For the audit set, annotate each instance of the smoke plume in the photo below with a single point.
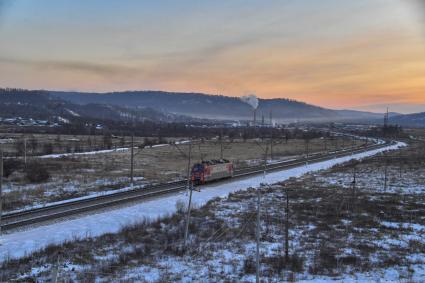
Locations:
(251, 100)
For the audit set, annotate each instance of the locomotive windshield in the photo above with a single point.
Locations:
(198, 167)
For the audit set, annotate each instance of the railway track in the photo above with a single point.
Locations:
(33, 216)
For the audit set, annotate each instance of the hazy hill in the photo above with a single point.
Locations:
(411, 120)
(214, 106)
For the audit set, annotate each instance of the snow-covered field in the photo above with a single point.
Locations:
(21, 243)
(401, 178)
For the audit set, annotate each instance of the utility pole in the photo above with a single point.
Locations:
(336, 144)
(385, 173)
(354, 182)
(265, 164)
(271, 119)
(324, 140)
(287, 227)
(307, 141)
(271, 145)
(55, 271)
(132, 160)
(257, 278)
(1, 187)
(188, 186)
(25, 151)
(386, 119)
(221, 143)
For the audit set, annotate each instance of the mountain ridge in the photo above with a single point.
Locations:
(216, 106)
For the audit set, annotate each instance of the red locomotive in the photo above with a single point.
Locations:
(211, 170)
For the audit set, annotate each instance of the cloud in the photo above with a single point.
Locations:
(418, 8)
(99, 69)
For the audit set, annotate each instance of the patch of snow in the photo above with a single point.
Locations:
(63, 120)
(160, 145)
(9, 140)
(75, 114)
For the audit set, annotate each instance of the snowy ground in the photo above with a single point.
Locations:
(374, 236)
(21, 243)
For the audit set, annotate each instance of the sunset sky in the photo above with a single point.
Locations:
(362, 54)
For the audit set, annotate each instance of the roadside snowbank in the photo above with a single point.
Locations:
(24, 242)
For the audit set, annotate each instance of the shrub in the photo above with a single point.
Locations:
(11, 165)
(149, 142)
(36, 173)
(249, 266)
(48, 148)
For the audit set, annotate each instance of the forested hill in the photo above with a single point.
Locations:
(214, 106)
(409, 120)
(42, 105)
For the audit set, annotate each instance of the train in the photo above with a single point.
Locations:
(211, 170)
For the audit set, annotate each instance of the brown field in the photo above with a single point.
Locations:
(60, 143)
(79, 175)
(419, 133)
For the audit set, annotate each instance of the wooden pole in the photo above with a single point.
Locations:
(221, 144)
(287, 227)
(271, 145)
(385, 174)
(1, 189)
(186, 231)
(25, 151)
(132, 161)
(257, 277)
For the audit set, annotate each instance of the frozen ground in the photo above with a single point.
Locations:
(21, 243)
